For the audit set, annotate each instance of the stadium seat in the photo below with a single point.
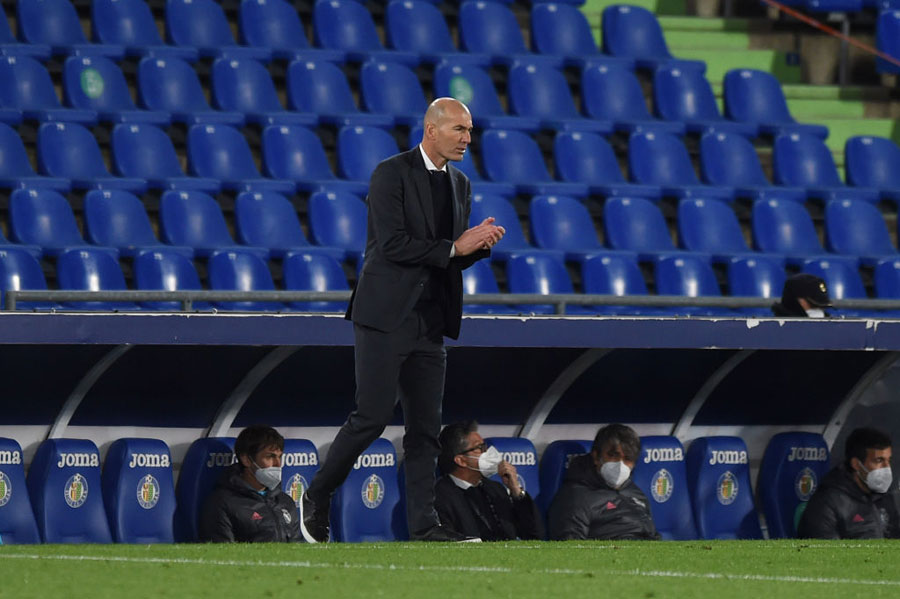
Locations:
(514, 157)
(514, 242)
(69, 150)
(711, 227)
(544, 274)
(563, 223)
(554, 463)
(841, 275)
(584, 157)
(360, 149)
(244, 85)
(391, 88)
(540, 91)
(194, 219)
(887, 39)
(805, 161)
(756, 276)
(491, 28)
(221, 152)
(139, 491)
(684, 95)
(887, 279)
(637, 225)
(785, 228)
(20, 269)
(130, 23)
(17, 524)
(338, 219)
(96, 83)
(347, 25)
(321, 87)
(241, 270)
(43, 218)
(613, 93)
(729, 159)
(660, 473)
(519, 452)
(479, 278)
(633, 32)
(275, 26)
(10, 46)
(202, 24)
(171, 84)
(417, 26)
(791, 468)
(362, 507)
(205, 461)
(165, 269)
(657, 158)
(311, 271)
(561, 29)
(689, 275)
(856, 228)
(146, 152)
(15, 167)
(299, 464)
(29, 90)
(873, 162)
(718, 475)
(617, 273)
(75, 515)
(756, 97)
(91, 269)
(55, 23)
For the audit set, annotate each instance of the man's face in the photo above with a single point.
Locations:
(474, 447)
(451, 134)
(268, 457)
(875, 459)
(611, 452)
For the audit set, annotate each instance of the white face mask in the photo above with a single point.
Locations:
(269, 477)
(815, 313)
(878, 480)
(488, 462)
(615, 473)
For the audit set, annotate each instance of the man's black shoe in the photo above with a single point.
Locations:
(313, 520)
(442, 534)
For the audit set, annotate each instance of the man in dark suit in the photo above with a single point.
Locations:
(409, 295)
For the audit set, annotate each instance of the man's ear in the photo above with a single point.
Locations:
(596, 457)
(460, 461)
(855, 464)
(244, 460)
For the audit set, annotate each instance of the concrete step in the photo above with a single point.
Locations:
(703, 39)
(660, 7)
(703, 24)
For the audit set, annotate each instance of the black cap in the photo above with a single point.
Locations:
(808, 287)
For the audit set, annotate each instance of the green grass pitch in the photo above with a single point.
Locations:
(576, 570)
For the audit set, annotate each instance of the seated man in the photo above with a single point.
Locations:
(805, 296)
(855, 500)
(248, 505)
(598, 499)
(469, 502)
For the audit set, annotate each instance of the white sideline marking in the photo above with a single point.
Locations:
(494, 569)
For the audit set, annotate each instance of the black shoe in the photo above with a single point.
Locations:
(313, 520)
(442, 534)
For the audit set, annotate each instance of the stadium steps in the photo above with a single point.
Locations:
(660, 7)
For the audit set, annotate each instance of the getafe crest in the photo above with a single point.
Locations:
(296, 487)
(727, 488)
(76, 491)
(373, 491)
(805, 484)
(661, 486)
(5, 489)
(148, 492)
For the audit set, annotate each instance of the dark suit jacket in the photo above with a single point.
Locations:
(518, 519)
(401, 245)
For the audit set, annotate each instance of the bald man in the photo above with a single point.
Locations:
(409, 296)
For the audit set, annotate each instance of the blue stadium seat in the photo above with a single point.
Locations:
(10, 46)
(637, 225)
(789, 474)
(491, 28)
(202, 24)
(514, 157)
(689, 275)
(69, 150)
(729, 159)
(321, 87)
(887, 279)
(165, 269)
(43, 218)
(139, 491)
(244, 85)
(55, 23)
(193, 219)
(887, 39)
(805, 161)
(15, 168)
(585, 157)
(613, 93)
(856, 228)
(204, 463)
(686, 96)
(561, 29)
(17, 524)
(756, 97)
(514, 242)
(91, 269)
(785, 228)
(718, 472)
(873, 162)
(20, 269)
(275, 26)
(362, 507)
(360, 149)
(540, 91)
(96, 83)
(221, 152)
(130, 23)
(479, 278)
(146, 152)
(299, 465)
(657, 158)
(305, 270)
(712, 227)
(544, 274)
(519, 452)
(633, 32)
(756, 276)
(563, 223)
(241, 270)
(616, 273)
(76, 514)
(661, 474)
(171, 84)
(29, 90)
(417, 26)
(841, 275)
(393, 89)
(338, 219)
(554, 463)
(347, 25)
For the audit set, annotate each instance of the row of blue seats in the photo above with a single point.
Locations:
(702, 493)
(842, 6)
(887, 39)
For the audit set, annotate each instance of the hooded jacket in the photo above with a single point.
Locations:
(587, 508)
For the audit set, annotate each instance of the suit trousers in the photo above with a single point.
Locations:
(405, 365)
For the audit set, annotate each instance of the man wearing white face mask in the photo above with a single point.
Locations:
(469, 502)
(598, 499)
(856, 500)
(805, 296)
(248, 505)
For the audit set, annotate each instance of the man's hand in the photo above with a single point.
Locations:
(480, 237)
(508, 475)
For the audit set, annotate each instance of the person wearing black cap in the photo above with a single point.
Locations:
(805, 296)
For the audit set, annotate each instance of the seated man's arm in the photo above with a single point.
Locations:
(529, 524)
(819, 519)
(215, 521)
(569, 516)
